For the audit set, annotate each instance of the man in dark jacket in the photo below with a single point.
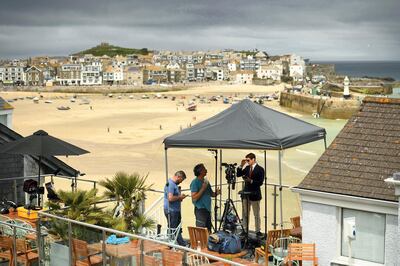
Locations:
(253, 176)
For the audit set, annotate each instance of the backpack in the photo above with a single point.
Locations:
(224, 242)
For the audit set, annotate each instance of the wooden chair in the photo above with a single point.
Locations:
(81, 254)
(26, 255)
(295, 221)
(299, 252)
(150, 261)
(296, 231)
(196, 235)
(272, 236)
(171, 257)
(197, 260)
(6, 249)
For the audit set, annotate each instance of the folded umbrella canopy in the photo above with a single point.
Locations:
(41, 144)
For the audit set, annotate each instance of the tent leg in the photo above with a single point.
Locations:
(265, 193)
(166, 178)
(325, 141)
(280, 188)
(220, 181)
(37, 191)
(216, 186)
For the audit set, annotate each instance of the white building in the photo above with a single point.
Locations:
(270, 71)
(243, 76)
(344, 198)
(113, 74)
(6, 111)
(232, 67)
(91, 74)
(2, 70)
(297, 67)
(14, 74)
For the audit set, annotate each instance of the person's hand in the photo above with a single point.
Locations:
(243, 162)
(205, 184)
(183, 196)
(247, 179)
(217, 191)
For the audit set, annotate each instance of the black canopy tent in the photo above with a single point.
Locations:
(247, 125)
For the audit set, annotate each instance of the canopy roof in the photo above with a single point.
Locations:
(247, 125)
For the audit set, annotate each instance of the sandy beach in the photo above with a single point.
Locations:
(127, 134)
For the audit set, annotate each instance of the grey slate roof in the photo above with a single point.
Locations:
(4, 105)
(363, 154)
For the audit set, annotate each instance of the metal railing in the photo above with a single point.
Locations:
(106, 231)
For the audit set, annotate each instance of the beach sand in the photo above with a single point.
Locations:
(127, 135)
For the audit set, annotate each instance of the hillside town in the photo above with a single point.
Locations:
(161, 67)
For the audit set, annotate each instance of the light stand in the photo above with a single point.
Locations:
(215, 152)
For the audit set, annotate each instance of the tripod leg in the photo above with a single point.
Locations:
(223, 217)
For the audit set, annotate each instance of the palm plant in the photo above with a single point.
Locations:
(128, 190)
(79, 206)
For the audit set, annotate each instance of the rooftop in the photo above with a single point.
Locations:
(363, 155)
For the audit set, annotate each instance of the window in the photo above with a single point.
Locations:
(369, 244)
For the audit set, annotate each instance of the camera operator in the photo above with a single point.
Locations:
(253, 176)
(201, 197)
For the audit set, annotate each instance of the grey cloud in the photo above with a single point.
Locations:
(319, 29)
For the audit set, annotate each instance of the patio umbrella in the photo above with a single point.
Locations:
(41, 144)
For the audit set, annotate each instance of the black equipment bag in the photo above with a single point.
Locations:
(224, 242)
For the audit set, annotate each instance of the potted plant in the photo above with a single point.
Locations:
(79, 206)
(129, 190)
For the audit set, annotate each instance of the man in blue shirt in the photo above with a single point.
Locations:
(172, 203)
(201, 197)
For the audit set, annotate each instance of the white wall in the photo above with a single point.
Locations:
(320, 226)
(6, 118)
(392, 256)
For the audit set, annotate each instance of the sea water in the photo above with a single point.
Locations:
(366, 68)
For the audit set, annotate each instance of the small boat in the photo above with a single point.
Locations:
(48, 101)
(36, 99)
(130, 96)
(119, 97)
(110, 95)
(84, 101)
(144, 96)
(63, 108)
(72, 100)
(192, 106)
(226, 100)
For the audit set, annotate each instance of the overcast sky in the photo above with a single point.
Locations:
(315, 29)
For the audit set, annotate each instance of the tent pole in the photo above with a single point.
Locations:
(280, 188)
(216, 186)
(37, 191)
(166, 178)
(265, 192)
(325, 141)
(220, 181)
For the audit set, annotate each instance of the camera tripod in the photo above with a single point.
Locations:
(230, 206)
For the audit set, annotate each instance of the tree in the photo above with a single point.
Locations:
(128, 190)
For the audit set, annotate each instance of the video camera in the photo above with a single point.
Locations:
(230, 173)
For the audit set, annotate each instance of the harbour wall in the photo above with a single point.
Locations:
(331, 108)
